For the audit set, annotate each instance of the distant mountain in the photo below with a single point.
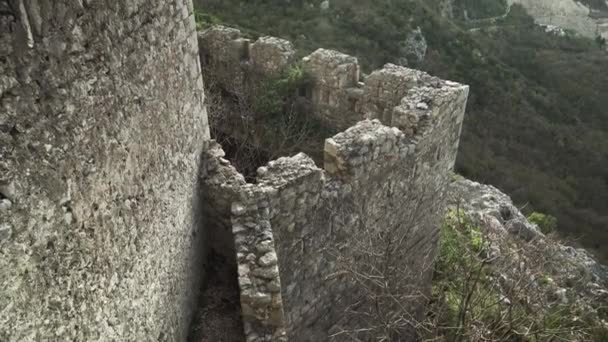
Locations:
(586, 17)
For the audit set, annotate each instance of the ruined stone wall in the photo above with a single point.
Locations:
(295, 226)
(101, 125)
(339, 95)
(389, 180)
(292, 225)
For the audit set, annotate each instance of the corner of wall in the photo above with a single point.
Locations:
(369, 144)
(425, 105)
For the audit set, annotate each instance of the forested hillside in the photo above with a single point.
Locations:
(537, 119)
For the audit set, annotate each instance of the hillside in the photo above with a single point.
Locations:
(536, 125)
(586, 17)
(520, 284)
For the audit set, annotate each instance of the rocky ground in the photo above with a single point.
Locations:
(548, 271)
(219, 318)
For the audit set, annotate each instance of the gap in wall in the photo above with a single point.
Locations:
(245, 157)
(219, 308)
(250, 140)
(219, 316)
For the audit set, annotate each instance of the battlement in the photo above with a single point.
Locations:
(386, 170)
(231, 54)
(366, 145)
(287, 226)
(339, 95)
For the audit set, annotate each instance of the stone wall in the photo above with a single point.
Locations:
(101, 125)
(297, 221)
(339, 95)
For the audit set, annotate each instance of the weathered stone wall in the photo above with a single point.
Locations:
(101, 124)
(298, 222)
(338, 94)
(336, 87)
(292, 224)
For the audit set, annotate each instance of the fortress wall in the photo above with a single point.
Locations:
(291, 225)
(298, 224)
(220, 187)
(101, 125)
(339, 96)
(297, 186)
(336, 92)
(258, 273)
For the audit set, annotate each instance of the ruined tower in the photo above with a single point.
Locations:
(101, 127)
(302, 232)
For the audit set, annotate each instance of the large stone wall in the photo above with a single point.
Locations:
(294, 224)
(101, 125)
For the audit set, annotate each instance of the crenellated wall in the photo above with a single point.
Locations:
(101, 128)
(386, 173)
(339, 95)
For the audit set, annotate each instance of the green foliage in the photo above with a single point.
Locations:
(205, 20)
(470, 304)
(546, 223)
(458, 235)
(476, 241)
(544, 280)
(295, 74)
(271, 97)
(276, 93)
(460, 276)
(456, 177)
(459, 231)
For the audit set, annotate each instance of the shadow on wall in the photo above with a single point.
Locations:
(219, 312)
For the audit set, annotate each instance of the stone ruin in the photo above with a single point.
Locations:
(105, 226)
(388, 168)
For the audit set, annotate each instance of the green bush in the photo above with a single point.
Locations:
(456, 177)
(546, 223)
(205, 20)
(275, 93)
(470, 304)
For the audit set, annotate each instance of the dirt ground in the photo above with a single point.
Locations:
(219, 316)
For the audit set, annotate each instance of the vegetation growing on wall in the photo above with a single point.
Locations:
(261, 118)
(481, 295)
(205, 20)
(530, 129)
